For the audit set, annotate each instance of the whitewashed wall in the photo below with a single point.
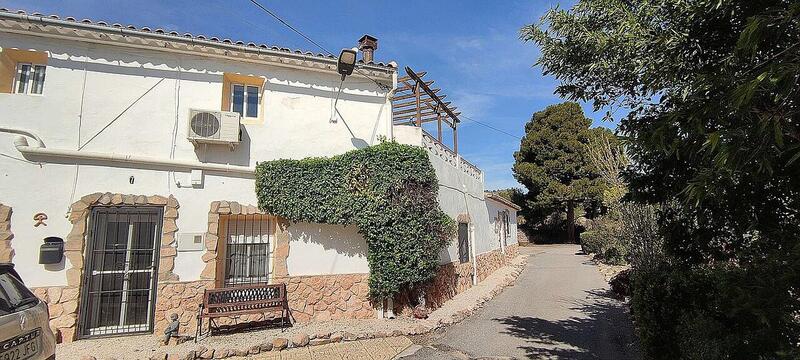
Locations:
(87, 86)
(460, 192)
(493, 207)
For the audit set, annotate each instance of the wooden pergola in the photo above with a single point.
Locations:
(416, 103)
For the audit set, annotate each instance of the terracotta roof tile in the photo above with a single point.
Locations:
(146, 30)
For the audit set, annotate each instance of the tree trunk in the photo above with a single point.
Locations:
(571, 222)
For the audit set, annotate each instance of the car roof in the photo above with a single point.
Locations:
(9, 268)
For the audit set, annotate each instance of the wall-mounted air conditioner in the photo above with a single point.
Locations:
(213, 127)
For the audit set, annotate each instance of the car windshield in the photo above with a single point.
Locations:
(14, 296)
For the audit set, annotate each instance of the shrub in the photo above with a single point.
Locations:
(639, 230)
(603, 239)
(716, 312)
(388, 190)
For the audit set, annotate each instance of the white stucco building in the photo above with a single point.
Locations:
(101, 142)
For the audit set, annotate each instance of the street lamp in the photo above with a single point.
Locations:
(347, 62)
(345, 67)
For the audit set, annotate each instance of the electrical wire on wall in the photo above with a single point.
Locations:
(80, 126)
(171, 178)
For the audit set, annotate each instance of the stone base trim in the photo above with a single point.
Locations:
(512, 251)
(301, 339)
(454, 278)
(522, 236)
(310, 298)
(329, 297)
(182, 298)
(6, 251)
(62, 302)
(489, 262)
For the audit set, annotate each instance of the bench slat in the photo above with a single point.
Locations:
(234, 313)
(243, 299)
(252, 302)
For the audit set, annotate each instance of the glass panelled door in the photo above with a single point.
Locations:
(121, 270)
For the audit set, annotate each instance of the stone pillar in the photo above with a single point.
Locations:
(6, 250)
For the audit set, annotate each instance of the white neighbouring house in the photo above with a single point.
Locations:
(136, 147)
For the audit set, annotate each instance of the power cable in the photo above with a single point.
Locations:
(309, 39)
(491, 127)
(382, 86)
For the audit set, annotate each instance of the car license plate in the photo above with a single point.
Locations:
(21, 347)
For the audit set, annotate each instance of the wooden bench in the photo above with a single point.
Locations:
(241, 300)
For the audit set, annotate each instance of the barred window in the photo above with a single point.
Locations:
(463, 242)
(248, 248)
(506, 223)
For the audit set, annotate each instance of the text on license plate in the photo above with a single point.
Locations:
(21, 347)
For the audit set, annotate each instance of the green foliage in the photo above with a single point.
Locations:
(552, 162)
(607, 154)
(716, 312)
(628, 233)
(713, 130)
(388, 190)
(602, 239)
(714, 121)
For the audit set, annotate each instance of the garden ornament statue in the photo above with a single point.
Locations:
(172, 330)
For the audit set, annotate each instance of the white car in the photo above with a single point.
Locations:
(24, 321)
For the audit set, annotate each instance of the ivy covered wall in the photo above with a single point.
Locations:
(389, 191)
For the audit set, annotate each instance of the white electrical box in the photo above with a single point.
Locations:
(191, 241)
(196, 178)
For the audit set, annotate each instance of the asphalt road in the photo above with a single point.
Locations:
(557, 309)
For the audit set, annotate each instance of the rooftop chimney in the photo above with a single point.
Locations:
(368, 44)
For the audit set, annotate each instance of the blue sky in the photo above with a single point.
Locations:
(470, 48)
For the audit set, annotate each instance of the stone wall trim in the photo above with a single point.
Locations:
(64, 309)
(6, 250)
(215, 241)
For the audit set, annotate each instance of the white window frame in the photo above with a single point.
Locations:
(248, 236)
(244, 100)
(29, 81)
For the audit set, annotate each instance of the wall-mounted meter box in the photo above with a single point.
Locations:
(191, 241)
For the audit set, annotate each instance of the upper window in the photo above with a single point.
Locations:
(29, 78)
(244, 100)
(243, 94)
(22, 71)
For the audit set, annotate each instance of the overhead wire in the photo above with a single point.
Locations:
(382, 86)
(310, 40)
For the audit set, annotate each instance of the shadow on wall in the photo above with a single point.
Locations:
(149, 64)
(605, 332)
(345, 240)
(238, 156)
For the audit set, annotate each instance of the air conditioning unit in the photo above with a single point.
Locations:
(213, 127)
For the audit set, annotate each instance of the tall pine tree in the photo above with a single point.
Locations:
(552, 163)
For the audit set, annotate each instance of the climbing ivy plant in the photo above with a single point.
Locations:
(387, 190)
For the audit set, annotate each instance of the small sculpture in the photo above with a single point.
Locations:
(39, 218)
(172, 329)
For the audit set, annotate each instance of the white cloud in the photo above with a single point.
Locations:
(471, 43)
(471, 104)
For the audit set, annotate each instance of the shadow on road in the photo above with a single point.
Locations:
(596, 333)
